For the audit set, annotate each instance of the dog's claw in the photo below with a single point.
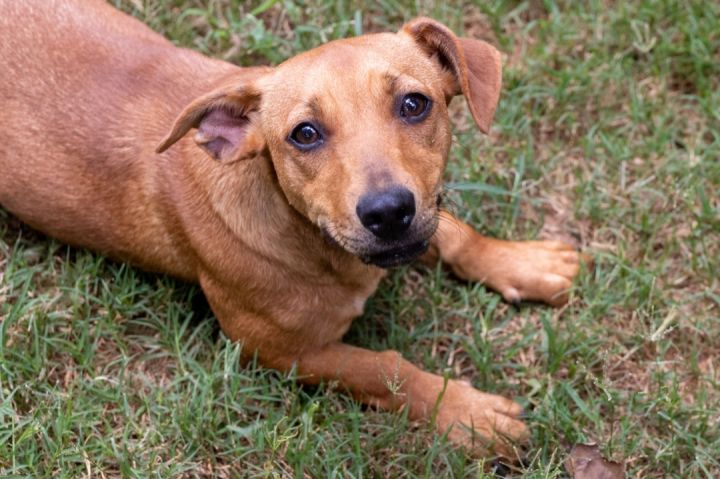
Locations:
(500, 469)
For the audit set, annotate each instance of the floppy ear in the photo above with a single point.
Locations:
(476, 66)
(224, 122)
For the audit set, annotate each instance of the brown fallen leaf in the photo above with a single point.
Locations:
(586, 462)
(559, 222)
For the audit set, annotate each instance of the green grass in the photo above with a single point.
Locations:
(608, 133)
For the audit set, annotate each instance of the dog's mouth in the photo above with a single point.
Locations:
(384, 253)
(396, 256)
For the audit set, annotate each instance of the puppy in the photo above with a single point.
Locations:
(284, 192)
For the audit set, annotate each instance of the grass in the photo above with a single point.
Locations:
(608, 134)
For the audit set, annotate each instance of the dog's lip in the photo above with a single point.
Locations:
(397, 256)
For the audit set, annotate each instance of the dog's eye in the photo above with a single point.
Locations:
(414, 107)
(306, 136)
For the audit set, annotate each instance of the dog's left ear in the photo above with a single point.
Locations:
(226, 128)
(476, 66)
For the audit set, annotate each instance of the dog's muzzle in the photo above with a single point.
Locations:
(382, 252)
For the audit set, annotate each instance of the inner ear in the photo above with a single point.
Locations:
(450, 82)
(445, 63)
(226, 119)
(224, 135)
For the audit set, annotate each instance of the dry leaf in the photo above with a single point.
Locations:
(559, 224)
(586, 462)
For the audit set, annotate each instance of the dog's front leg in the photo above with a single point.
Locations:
(482, 422)
(519, 270)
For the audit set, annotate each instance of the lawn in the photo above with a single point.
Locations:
(607, 136)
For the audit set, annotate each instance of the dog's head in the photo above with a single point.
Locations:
(357, 130)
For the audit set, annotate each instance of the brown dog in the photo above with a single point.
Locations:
(299, 184)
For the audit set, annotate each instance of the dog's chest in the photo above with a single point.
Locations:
(350, 304)
(325, 312)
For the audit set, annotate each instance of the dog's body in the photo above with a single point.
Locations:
(264, 219)
(81, 166)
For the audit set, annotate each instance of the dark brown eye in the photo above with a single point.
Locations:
(414, 107)
(306, 136)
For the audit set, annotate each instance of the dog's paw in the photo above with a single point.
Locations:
(485, 424)
(534, 270)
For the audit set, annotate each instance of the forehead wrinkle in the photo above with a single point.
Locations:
(406, 83)
(305, 110)
(313, 106)
(391, 79)
(375, 87)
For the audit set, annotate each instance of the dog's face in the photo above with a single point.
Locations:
(359, 141)
(357, 130)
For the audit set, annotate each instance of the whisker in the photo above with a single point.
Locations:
(454, 226)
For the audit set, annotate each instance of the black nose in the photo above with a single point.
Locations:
(388, 213)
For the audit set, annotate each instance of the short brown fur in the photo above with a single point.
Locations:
(270, 232)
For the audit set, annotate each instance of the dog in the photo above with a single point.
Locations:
(285, 192)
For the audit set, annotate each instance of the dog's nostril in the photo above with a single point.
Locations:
(373, 221)
(388, 213)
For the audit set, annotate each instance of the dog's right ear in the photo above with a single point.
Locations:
(476, 65)
(224, 118)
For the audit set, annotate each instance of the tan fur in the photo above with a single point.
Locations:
(269, 232)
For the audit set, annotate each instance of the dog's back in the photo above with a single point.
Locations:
(87, 93)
